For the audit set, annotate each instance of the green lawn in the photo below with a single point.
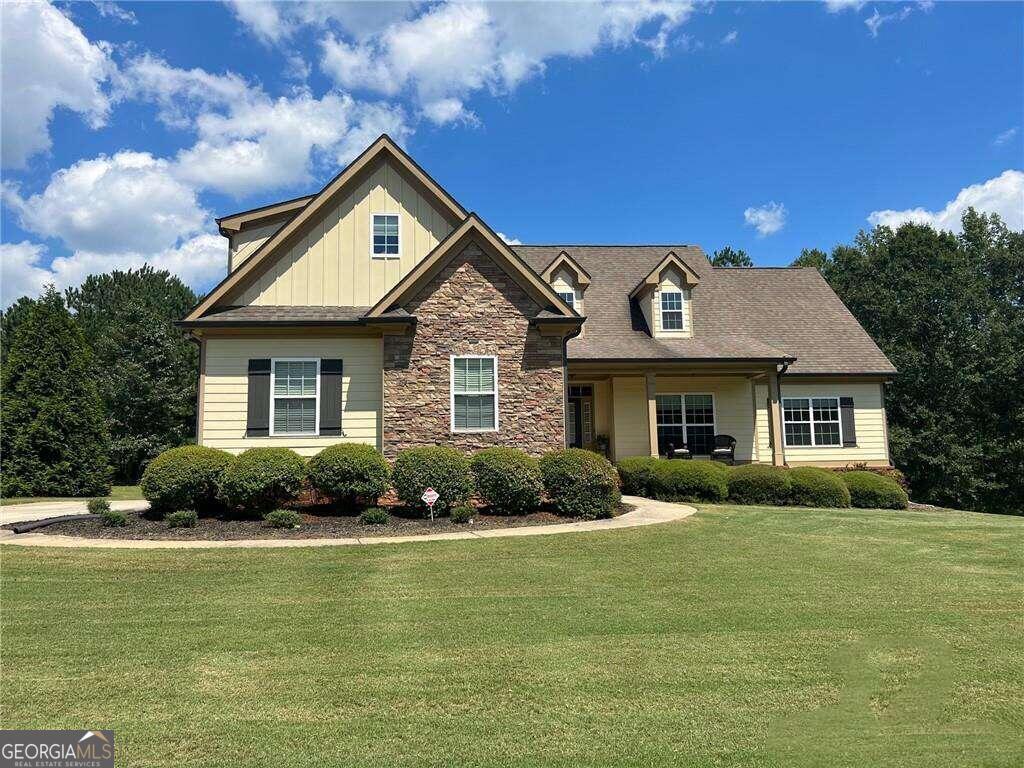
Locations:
(743, 636)
(117, 493)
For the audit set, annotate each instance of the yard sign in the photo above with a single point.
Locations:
(430, 496)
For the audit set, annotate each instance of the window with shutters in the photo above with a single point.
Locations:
(295, 396)
(811, 421)
(474, 393)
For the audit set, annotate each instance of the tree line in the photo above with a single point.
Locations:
(98, 381)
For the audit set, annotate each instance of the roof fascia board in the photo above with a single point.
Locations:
(236, 222)
(654, 276)
(582, 276)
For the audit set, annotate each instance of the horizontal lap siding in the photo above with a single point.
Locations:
(734, 410)
(226, 390)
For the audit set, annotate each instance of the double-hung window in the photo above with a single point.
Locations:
(474, 394)
(295, 397)
(811, 421)
(569, 297)
(686, 419)
(672, 311)
(385, 235)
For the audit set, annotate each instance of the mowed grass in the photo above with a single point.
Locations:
(117, 493)
(740, 637)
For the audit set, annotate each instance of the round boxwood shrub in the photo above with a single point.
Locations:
(637, 474)
(183, 518)
(185, 478)
(374, 516)
(283, 518)
(462, 514)
(759, 484)
(439, 467)
(871, 491)
(816, 487)
(508, 480)
(113, 518)
(580, 483)
(350, 473)
(261, 479)
(682, 480)
(98, 506)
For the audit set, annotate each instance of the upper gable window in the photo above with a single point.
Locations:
(569, 297)
(672, 311)
(385, 236)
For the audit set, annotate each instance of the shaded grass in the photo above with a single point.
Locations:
(117, 493)
(743, 636)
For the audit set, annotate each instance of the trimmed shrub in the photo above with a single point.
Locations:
(682, 480)
(462, 514)
(508, 480)
(816, 487)
(350, 473)
(283, 518)
(759, 484)
(637, 474)
(261, 479)
(374, 516)
(98, 506)
(890, 472)
(439, 467)
(113, 518)
(871, 491)
(580, 483)
(185, 478)
(183, 518)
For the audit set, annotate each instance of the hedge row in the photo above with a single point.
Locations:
(673, 480)
(259, 480)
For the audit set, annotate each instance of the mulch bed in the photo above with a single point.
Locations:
(316, 524)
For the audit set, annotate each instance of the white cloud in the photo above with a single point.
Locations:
(838, 6)
(766, 219)
(730, 38)
(127, 202)
(20, 273)
(509, 240)
(875, 21)
(46, 63)
(112, 10)
(455, 49)
(278, 23)
(1003, 195)
(1005, 137)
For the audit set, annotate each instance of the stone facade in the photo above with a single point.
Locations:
(473, 307)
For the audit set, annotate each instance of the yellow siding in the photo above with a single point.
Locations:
(244, 244)
(332, 264)
(602, 409)
(629, 417)
(226, 390)
(565, 282)
(671, 280)
(868, 415)
(734, 409)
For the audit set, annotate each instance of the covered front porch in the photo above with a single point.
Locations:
(635, 409)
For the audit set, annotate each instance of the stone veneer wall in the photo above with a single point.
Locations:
(473, 306)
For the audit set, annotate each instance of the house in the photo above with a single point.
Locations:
(381, 311)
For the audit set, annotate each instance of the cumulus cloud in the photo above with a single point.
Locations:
(766, 219)
(47, 63)
(20, 271)
(509, 240)
(1003, 195)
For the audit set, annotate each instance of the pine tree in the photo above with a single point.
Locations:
(53, 434)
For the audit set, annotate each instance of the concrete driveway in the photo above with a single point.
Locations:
(20, 513)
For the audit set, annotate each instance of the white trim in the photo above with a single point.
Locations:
(386, 255)
(714, 416)
(273, 373)
(572, 302)
(682, 310)
(810, 408)
(451, 393)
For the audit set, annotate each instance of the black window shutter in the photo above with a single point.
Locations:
(257, 422)
(330, 397)
(846, 415)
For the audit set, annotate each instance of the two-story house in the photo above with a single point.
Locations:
(380, 311)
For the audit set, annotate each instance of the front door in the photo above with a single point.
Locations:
(579, 426)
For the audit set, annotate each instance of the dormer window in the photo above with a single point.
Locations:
(569, 297)
(386, 243)
(672, 317)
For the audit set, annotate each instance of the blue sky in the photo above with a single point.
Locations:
(769, 127)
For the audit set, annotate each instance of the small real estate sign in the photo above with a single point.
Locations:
(430, 497)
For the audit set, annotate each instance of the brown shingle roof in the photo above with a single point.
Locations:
(757, 313)
(279, 315)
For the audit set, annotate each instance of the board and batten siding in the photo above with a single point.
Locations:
(226, 386)
(629, 417)
(332, 264)
(868, 415)
(244, 244)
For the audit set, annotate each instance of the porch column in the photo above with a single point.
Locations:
(775, 419)
(651, 381)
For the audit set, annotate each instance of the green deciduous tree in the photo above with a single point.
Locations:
(144, 366)
(811, 257)
(53, 436)
(727, 257)
(948, 310)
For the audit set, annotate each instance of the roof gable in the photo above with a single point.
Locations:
(563, 259)
(654, 276)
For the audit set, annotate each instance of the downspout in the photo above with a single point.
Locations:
(778, 386)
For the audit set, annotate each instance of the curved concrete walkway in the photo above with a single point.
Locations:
(647, 512)
(40, 510)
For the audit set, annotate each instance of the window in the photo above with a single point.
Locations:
(688, 419)
(474, 394)
(295, 397)
(672, 311)
(385, 235)
(569, 297)
(811, 421)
